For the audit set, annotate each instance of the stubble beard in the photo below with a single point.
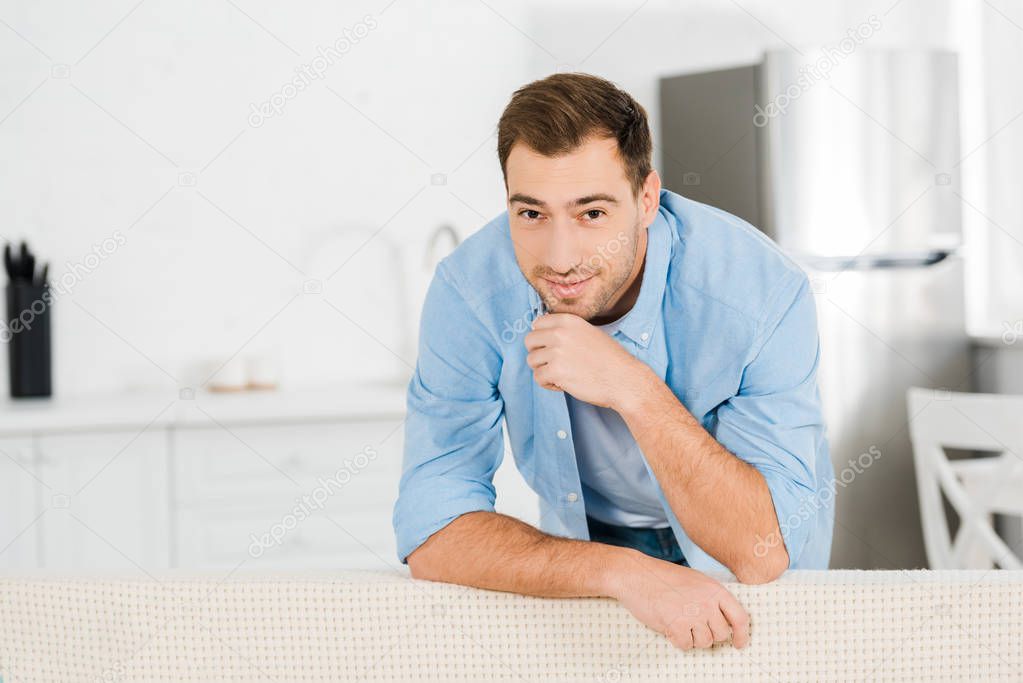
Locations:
(601, 299)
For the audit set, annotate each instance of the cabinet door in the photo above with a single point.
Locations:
(295, 495)
(106, 500)
(19, 505)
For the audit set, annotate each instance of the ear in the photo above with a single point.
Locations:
(650, 197)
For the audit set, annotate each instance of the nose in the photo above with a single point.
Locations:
(563, 250)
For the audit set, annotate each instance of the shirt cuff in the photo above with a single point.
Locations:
(414, 522)
(796, 508)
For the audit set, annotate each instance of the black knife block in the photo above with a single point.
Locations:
(27, 335)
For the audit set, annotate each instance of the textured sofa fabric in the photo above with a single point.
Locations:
(807, 626)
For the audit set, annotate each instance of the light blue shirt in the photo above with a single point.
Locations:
(723, 317)
(616, 484)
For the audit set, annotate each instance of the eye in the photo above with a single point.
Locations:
(594, 214)
(530, 214)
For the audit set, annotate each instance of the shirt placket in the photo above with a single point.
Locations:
(554, 452)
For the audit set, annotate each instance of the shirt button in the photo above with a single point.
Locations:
(644, 336)
(562, 434)
(572, 497)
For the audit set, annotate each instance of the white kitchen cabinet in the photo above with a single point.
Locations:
(105, 496)
(19, 504)
(291, 495)
(259, 538)
(279, 479)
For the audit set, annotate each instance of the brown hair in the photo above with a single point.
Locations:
(554, 115)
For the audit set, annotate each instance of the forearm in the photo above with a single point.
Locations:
(493, 551)
(722, 502)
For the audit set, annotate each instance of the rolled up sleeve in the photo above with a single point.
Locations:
(453, 433)
(775, 421)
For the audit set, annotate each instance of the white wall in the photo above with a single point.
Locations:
(109, 110)
(102, 145)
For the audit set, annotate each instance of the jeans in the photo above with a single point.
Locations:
(659, 543)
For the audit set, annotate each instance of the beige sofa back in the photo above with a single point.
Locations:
(807, 626)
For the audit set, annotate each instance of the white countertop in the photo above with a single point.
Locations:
(170, 408)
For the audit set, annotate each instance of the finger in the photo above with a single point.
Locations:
(545, 378)
(550, 320)
(738, 618)
(702, 637)
(719, 627)
(538, 339)
(539, 357)
(681, 637)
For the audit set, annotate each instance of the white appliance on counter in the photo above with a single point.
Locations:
(855, 175)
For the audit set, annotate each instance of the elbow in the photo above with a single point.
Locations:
(419, 565)
(757, 574)
(414, 567)
(432, 559)
(765, 569)
(429, 560)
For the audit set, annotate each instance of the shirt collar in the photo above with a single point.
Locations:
(639, 323)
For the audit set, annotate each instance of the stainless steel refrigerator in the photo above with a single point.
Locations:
(850, 162)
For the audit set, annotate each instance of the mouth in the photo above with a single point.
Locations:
(568, 290)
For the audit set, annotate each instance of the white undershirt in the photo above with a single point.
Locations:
(617, 488)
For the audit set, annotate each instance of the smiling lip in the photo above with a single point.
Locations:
(564, 290)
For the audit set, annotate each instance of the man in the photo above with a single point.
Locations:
(655, 362)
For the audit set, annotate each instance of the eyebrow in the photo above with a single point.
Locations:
(520, 198)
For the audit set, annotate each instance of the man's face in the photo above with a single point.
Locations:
(576, 225)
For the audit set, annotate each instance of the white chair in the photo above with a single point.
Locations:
(977, 488)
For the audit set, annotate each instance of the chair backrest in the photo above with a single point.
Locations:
(976, 488)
